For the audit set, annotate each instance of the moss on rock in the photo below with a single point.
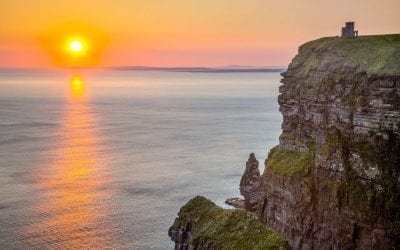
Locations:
(333, 141)
(219, 228)
(288, 162)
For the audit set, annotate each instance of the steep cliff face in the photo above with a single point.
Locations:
(333, 181)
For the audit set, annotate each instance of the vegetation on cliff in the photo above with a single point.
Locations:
(374, 55)
(288, 162)
(219, 228)
(389, 178)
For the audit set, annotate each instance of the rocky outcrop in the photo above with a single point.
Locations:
(250, 184)
(203, 225)
(235, 202)
(333, 181)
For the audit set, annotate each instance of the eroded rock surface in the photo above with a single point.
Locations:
(235, 202)
(333, 181)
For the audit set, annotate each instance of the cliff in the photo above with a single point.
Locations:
(333, 180)
(203, 225)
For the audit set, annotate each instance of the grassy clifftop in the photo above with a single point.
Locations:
(219, 228)
(374, 55)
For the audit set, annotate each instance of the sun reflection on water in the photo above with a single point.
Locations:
(73, 207)
(77, 86)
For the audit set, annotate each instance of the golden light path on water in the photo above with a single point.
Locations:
(74, 201)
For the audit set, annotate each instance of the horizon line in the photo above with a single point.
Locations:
(144, 67)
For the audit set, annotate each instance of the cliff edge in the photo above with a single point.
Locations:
(333, 180)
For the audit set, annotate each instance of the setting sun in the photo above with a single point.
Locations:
(76, 46)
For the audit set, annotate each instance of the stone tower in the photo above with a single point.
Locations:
(348, 30)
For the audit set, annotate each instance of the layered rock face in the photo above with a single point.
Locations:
(333, 182)
(250, 184)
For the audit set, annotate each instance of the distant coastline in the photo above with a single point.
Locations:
(227, 69)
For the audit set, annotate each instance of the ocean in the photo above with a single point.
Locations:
(104, 158)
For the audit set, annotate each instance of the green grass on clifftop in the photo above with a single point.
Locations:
(287, 162)
(374, 55)
(226, 229)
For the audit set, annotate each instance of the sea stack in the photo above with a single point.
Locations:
(250, 184)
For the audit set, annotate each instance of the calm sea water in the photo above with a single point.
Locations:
(105, 158)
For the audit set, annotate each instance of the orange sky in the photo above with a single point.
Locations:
(180, 32)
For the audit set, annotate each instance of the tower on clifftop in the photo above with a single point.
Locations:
(348, 30)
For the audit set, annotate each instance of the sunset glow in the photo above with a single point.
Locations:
(177, 33)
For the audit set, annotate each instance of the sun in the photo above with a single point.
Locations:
(76, 49)
(76, 46)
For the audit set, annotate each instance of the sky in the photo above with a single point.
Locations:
(188, 33)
